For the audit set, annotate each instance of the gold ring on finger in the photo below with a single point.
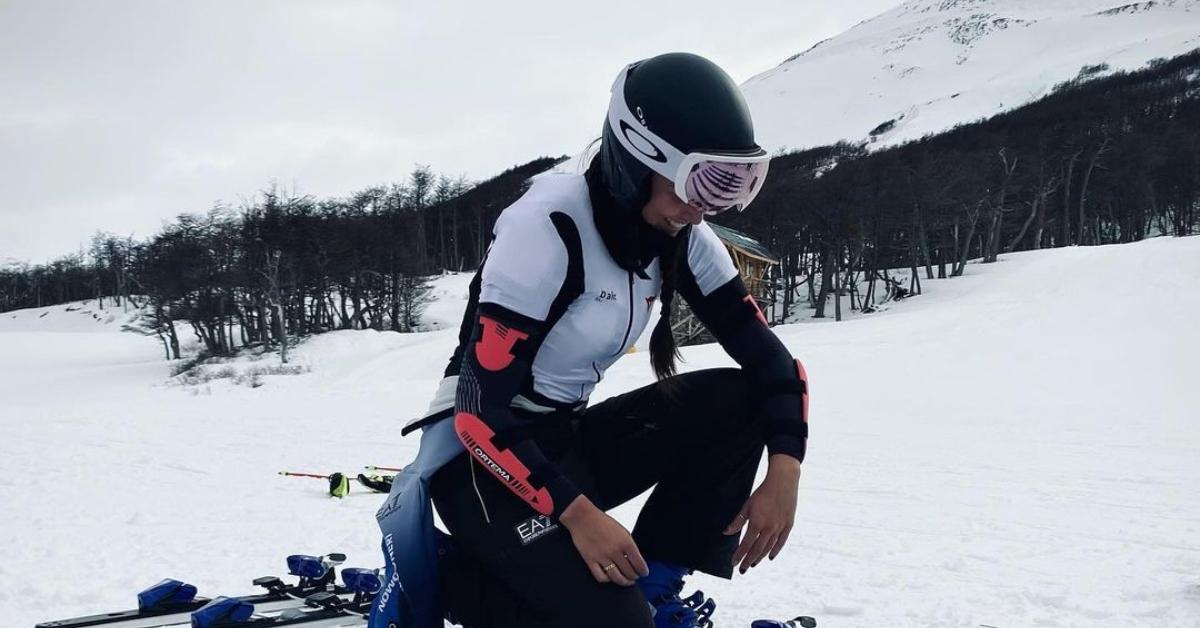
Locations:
(610, 566)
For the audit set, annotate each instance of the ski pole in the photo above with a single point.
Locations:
(303, 475)
(297, 474)
(339, 483)
(375, 468)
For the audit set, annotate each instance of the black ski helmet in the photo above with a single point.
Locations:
(684, 99)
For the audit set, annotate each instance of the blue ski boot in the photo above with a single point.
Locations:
(661, 589)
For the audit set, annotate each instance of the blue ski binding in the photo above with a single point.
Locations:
(223, 610)
(363, 582)
(164, 593)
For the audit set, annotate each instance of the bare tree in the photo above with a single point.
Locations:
(275, 299)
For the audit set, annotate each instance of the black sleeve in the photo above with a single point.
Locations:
(496, 364)
(777, 379)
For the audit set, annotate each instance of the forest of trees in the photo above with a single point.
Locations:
(1101, 160)
(1098, 161)
(284, 264)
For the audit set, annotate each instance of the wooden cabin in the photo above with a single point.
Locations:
(754, 262)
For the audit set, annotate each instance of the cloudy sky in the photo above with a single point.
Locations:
(116, 115)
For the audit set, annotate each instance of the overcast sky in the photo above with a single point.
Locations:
(117, 115)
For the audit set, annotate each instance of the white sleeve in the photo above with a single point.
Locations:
(708, 259)
(526, 264)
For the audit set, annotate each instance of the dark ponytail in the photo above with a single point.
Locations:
(663, 351)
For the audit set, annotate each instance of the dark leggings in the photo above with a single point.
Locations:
(694, 438)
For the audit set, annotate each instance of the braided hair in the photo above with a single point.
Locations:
(663, 351)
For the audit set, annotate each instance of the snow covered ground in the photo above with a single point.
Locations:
(1017, 447)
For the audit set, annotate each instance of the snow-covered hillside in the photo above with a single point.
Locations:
(1017, 447)
(931, 64)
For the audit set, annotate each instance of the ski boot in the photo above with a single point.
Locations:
(661, 589)
(803, 621)
(702, 606)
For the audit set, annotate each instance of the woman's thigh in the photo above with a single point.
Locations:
(636, 440)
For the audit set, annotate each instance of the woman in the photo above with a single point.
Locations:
(566, 288)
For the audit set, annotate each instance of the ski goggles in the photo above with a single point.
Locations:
(711, 181)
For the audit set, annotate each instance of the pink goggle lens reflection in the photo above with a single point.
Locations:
(717, 186)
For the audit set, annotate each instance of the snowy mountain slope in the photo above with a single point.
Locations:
(1014, 448)
(448, 298)
(82, 316)
(931, 64)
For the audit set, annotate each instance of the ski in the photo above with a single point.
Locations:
(320, 609)
(172, 602)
